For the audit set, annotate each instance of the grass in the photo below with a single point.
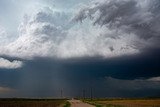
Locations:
(125, 102)
(67, 104)
(31, 102)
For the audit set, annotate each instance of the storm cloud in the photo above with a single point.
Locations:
(119, 77)
(108, 29)
(53, 33)
(140, 18)
(4, 63)
(111, 46)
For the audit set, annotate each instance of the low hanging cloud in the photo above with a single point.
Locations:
(6, 64)
(108, 29)
(140, 87)
(156, 79)
(4, 90)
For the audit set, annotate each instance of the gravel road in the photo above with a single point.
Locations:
(78, 103)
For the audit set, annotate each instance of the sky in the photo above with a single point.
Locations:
(109, 46)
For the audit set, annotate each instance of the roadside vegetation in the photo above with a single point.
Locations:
(124, 102)
(67, 104)
(32, 102)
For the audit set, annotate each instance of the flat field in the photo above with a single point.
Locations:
(127, 103)
(31, 102)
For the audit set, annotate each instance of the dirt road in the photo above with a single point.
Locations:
(78, 103)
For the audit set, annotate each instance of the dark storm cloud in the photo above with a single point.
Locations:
(112, 87)
(114, 77)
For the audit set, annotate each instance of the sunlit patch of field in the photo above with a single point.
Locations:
(127, 103)
(32, 102)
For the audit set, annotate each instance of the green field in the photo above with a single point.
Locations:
(32, 102)
(125, 102)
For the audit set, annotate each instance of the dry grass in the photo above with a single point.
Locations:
(30, 103)
(130, 103)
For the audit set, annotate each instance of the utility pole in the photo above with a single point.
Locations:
(61, 93)
(91, 93)
(84, 94)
